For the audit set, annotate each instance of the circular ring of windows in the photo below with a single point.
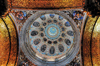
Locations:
(50, 38)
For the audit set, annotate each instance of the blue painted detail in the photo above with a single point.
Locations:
(53, 37)
(64, 51)
(52, 15)
(38, 50)
(31, 26)
(43, 53)
(30, 30)
(73, 37)
(68, 47)
(35, 46)
(80, 18)
(67, 24)
(74, 13)
(30, 37)
(60, 53)
(21, 15)
(24, 13)
(60, 18)
(43, 17)
(71, 42)
(32, 42)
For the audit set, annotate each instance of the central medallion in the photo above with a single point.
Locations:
(52, 31)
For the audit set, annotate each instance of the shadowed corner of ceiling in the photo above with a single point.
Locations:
(3, 7)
